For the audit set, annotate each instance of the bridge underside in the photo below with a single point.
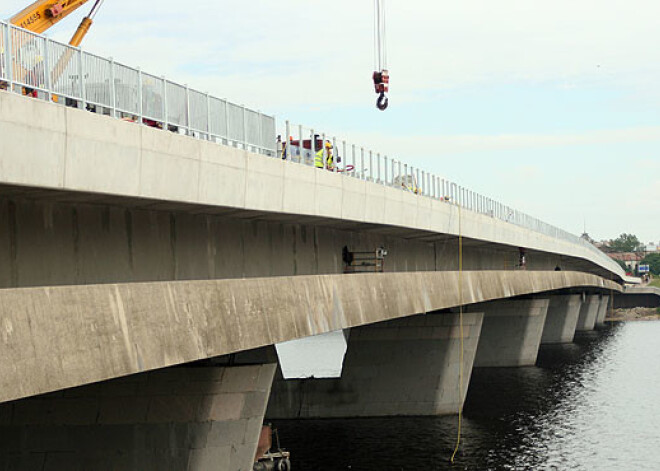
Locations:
(61, 337)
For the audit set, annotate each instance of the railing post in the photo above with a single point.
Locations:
(208, 117)
(378, 166)
(245, 142)
(140, 97)
(166, 118)
(363, 173)
(385, 182)
(300, 145)
(113, 88)
(49, 85)
(335, 163)
(9, 56)
(83, 101)
(353, 158)
(371, 165)
(286, 141)
(343, 149)
(188, 132)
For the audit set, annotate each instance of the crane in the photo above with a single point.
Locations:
(43, 14)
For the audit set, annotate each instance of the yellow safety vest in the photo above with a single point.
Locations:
(318, 159)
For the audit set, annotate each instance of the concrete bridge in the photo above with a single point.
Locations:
(145, 277)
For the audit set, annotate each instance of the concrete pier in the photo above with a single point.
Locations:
(588, 313)
(174, 419)
(560, 323)
(401, 367)
(602, 311)
(511, 332)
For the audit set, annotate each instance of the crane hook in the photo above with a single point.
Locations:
(382, 101)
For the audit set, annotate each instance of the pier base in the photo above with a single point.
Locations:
(602, 311)
(406, 366)
(588, 313)
(187, 419)
(560, 323)
(511, 332)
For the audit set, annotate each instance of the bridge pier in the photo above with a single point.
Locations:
(511, 332)
(189, 418)
(405, 366)
(588, 313)
(561, 320)
(602, 310)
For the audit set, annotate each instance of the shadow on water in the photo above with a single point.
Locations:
(514, 418)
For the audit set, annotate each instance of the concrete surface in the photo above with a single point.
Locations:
(178, 419)
(561, 320)
(511, 332)
(59, 337)
(46, 146)
(602, 311)
(400, 367)
(588, 313)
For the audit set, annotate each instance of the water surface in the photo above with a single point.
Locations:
(590, 405)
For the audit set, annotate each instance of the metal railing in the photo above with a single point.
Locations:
(33, 64)
(302, 145)
(46, 69)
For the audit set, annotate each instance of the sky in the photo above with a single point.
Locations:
(552, 108)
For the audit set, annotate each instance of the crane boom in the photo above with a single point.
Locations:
(43, 14)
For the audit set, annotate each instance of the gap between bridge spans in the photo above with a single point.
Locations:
(61, 337)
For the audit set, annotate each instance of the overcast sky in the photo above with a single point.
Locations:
(550, 107)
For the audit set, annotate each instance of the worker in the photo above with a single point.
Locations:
(329, 161)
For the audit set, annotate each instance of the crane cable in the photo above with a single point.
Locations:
(95, 8)
(460, 323)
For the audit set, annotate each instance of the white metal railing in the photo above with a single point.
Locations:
(49, 70)
(365, 164)
(33, 64)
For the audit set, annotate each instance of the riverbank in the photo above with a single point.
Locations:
(634, 314)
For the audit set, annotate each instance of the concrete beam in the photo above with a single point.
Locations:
(560, 323)
(60, 337)
(43, 145)
(405, 366)
(511, 333)
(192, 419)
(588, 313)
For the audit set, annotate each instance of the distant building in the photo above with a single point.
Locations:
(631, 259)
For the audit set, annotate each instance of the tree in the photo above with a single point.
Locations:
(626, 243)
(622, 264)
(653, 261)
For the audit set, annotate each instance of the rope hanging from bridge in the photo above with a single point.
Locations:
(460, 324)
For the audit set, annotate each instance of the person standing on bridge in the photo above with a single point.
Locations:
(320, 157)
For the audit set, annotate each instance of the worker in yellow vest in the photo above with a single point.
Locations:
(318, 158)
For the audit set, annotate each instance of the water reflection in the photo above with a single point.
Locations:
(591, 405)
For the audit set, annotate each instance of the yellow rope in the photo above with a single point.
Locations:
(460, 323)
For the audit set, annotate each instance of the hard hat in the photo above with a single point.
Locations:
(328, 145)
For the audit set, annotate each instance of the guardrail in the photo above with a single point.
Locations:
(50, 70)
(302, 145)
(33, 64)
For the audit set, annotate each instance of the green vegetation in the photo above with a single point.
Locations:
(626, 243)
(653, 261)
(655, 282)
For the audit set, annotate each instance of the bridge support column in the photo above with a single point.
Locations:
(511, 332)
(602, 310)
(588, 313)
(407, 366)
(175, 419)
(561, 320)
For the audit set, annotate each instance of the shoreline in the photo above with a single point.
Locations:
(635, 314)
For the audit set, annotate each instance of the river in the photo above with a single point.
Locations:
(590, 405)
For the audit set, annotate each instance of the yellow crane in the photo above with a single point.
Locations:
(43, 14)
